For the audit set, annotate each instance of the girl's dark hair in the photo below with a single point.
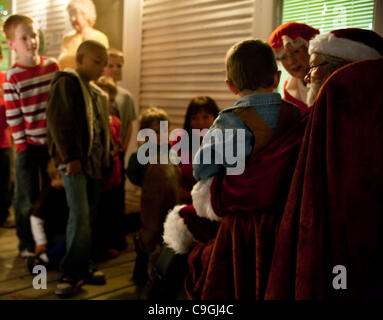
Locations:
(196, 105)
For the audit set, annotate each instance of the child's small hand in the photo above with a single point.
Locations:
(40, 249)
(73, 167)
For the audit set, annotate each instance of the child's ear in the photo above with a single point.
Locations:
(9, 43)
(277, 78)
(232, 87)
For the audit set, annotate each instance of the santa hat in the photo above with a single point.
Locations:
(351, 44)
(297, 34)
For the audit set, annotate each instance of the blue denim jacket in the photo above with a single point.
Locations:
(266, 104)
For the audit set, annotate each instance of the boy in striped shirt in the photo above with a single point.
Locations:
(25, 93)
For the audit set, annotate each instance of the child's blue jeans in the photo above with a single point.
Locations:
(82, 194)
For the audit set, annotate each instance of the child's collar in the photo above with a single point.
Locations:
(36, 61)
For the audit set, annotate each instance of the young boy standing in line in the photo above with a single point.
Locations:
(26, 89)
(124, 100)
(79, 140)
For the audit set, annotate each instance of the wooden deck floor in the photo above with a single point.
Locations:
(16, 281)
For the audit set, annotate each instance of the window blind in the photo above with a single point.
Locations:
(184, 44)
(331, 14)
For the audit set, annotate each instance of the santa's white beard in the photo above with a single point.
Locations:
(313, 91)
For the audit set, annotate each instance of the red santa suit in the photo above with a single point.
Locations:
(333, 224)
(333, 215)
(230, 227)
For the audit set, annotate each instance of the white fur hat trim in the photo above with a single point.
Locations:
(343, 48)
(298, 42)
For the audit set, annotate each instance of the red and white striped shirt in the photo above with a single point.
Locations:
(25, 94)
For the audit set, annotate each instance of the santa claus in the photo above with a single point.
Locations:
(329, 242)
(331, 51)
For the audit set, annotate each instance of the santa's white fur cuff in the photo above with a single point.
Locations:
(201, 196)
(176, 234)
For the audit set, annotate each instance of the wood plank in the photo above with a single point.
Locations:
(11, 289)
(16, 281)
(12, 268)
(125, 293)
(7, 250)
(8, 233)
(121, 272)
(8, 242)
(15, 276)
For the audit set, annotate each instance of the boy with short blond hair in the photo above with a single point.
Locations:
(124, 98)
(253, 75)
(79, 140)
(26, 90)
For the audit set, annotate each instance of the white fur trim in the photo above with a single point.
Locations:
(343, 48)
(176, 234)
(202, 200)
(294, 43)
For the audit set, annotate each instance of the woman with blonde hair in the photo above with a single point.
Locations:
(290, 43)
(82, 15)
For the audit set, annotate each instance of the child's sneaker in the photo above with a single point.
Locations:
(68, 286)
(95, 277)
(25, 253)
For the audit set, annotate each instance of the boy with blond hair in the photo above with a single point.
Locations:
(253, 75)
(124, 100)
(79, 140)
(26, 89)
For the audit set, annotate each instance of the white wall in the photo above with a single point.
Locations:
(266, 18)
